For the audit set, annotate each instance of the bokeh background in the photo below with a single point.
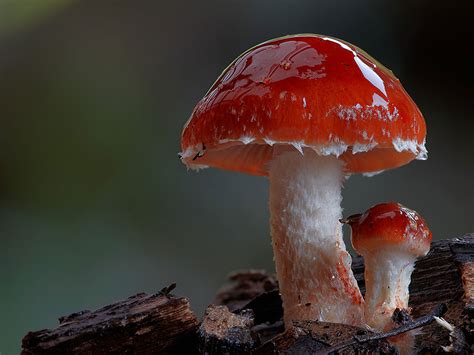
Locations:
(94, 203)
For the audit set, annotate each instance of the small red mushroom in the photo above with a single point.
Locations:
(306, 111)
(390, 237)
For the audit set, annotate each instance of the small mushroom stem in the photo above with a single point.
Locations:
(312, 264)
(387, 277)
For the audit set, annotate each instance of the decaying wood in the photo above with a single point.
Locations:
(247, 317)
(438, 278)
(244, 286)
(371, 342)
(140, 324)
(222, 331)
(324, 338)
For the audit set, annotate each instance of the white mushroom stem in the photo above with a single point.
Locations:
(387, 277)
(312, 264)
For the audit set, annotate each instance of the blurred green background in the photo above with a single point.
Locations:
(94, 203)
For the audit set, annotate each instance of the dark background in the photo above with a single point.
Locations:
(94, 203)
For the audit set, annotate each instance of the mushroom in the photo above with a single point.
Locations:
(390, 237)
(306, 111)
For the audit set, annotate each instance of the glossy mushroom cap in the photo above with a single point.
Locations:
(304, 91)
(390, 225)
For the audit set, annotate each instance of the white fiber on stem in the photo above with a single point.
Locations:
(312, 264)
(387, 277)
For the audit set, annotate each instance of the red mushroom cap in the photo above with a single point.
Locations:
(390, 224)
(307, 91)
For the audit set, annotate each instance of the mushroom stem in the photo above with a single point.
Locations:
(312, 264)
(387, 277)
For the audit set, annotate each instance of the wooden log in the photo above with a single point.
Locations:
(244, 286)
(251, 320)
(438, 278)
(235, 333)
(222, 331)
(318, 337)
(142, 324)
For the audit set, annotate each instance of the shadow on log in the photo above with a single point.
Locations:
(248, 311)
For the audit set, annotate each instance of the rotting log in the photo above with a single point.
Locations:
(319, 337)
(438, 278)
(143, 324)
(245, 286)
(249, 317)
(222, 331)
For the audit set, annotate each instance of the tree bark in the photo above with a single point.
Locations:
(143, 324)
(249, 312)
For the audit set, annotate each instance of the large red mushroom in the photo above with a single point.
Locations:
(306, 111)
